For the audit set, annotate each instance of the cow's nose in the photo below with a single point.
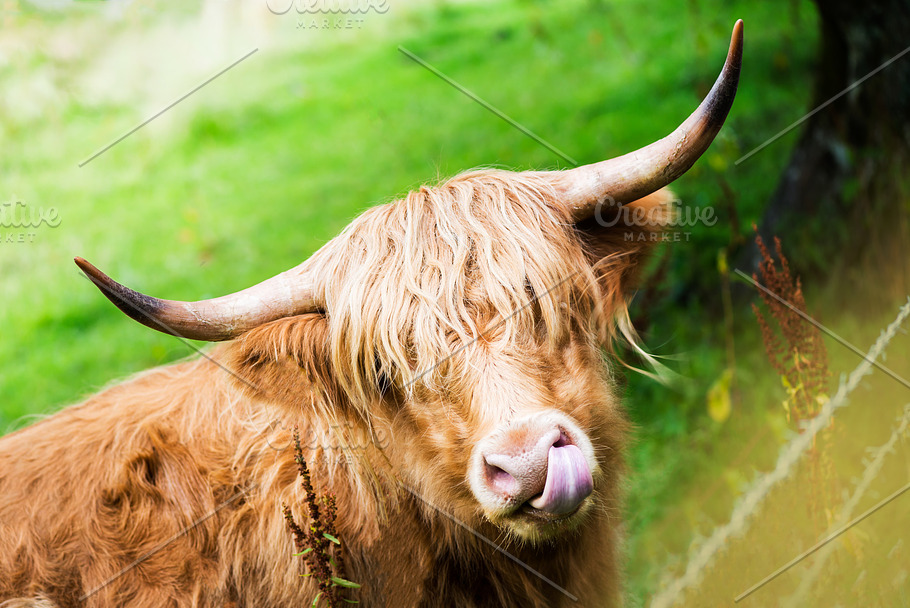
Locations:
(548, 471)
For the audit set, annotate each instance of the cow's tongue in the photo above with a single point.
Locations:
(568, 481)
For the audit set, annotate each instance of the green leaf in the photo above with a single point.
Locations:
(316, 600)
(331, 538)
(723, 267)
(343, 583)
(304, 552)
(719, 402)
(350, 601)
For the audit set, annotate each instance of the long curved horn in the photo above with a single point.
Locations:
(290, 293)
(637, 174)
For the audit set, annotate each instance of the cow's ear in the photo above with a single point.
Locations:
(286, 361)
(619, 237)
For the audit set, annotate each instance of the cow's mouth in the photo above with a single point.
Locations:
(555, 480)
(536, 525)
(567, 487)
(535, 476)
(545, 517)
(568, 480)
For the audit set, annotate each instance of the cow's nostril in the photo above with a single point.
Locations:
(499, 479)
(542, 467)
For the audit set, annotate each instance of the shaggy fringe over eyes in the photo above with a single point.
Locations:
(489, 254)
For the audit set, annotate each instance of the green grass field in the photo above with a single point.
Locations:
(249, 175)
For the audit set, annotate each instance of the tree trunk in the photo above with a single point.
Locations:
(842, 202)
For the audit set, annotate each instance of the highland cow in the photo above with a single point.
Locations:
(446, 358)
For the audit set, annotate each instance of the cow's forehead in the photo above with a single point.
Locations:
(486, 254)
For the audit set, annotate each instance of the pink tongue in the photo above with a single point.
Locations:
(568, 481)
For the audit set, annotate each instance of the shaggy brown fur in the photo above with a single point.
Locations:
(447, 312)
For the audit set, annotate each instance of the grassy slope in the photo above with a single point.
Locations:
(261, 167)
(253, 173)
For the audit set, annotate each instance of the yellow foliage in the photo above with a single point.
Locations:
(719, 405)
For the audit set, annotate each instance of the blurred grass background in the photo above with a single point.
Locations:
(252, 173)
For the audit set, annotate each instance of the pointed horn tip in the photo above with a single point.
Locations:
(147, 310)
(736, 43)
(136, 305)
(181, 319)
(106, 284)
(719, 102)
(83, 264)
(90, 271)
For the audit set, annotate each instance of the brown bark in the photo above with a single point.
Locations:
(843, 197)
